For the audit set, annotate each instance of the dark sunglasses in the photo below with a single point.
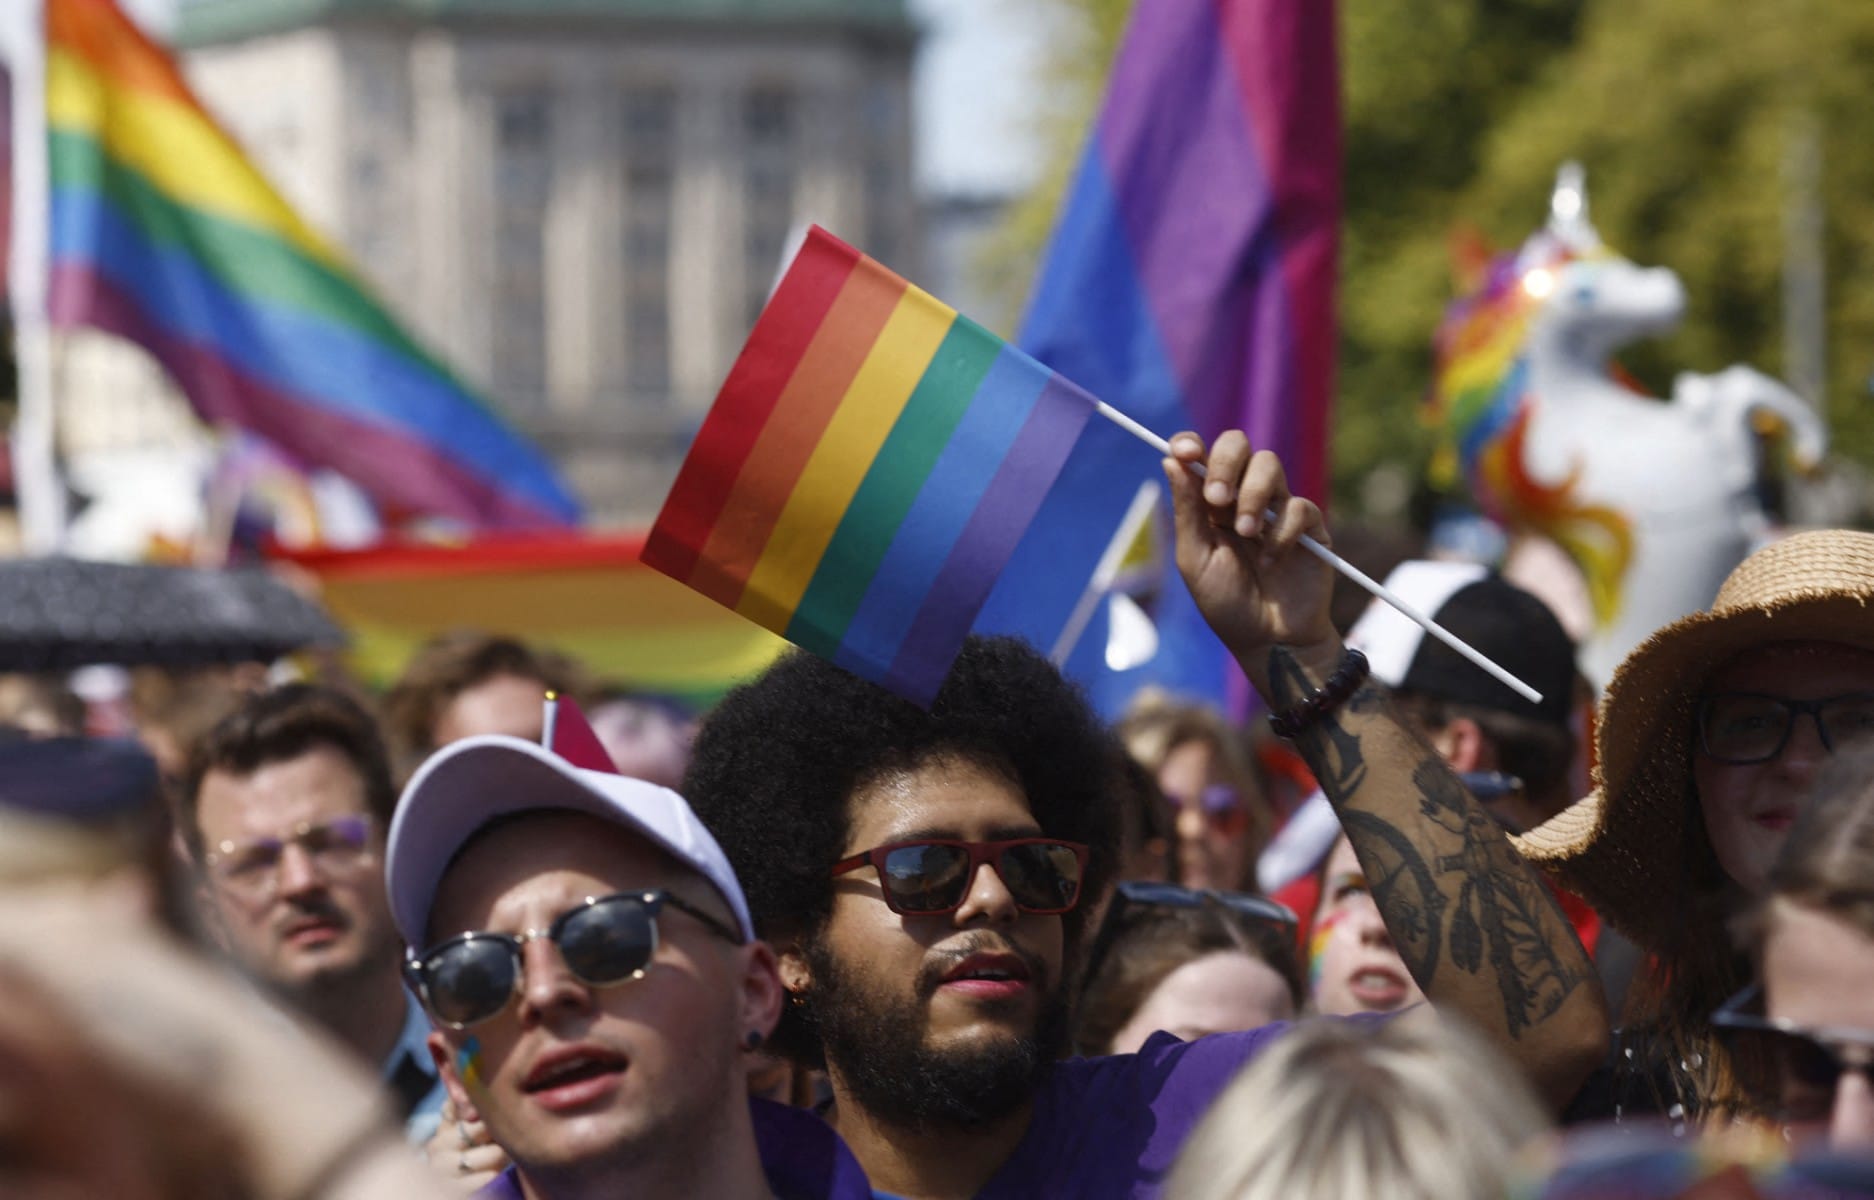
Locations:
(1792, 1069)
(1743, 727)
(932, 876)
(1259, 914)
(604, 941)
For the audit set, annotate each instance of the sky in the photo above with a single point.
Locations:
(975, 94)
(973, 91)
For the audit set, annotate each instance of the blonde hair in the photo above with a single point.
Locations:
(1346, 1110)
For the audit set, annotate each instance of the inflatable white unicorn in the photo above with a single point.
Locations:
(1654, 500)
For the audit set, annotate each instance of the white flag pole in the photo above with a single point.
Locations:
(37, 483)
(1352, 572)
(1104, 574)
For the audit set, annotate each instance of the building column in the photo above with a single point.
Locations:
(705, 293)
(577, 238)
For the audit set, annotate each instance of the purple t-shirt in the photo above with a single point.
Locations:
(1110, 1128)
(800, 1154)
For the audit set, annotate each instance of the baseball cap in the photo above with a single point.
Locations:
(468, 784)
(1507, 624)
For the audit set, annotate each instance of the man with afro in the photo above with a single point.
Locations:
(925, 876)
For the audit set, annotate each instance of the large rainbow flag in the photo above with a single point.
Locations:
(867, 469)
(164, 233)
(1190, 283)
(586, 595)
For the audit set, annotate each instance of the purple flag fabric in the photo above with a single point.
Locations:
(1190, 284)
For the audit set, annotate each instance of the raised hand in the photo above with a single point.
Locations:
(1476, 927)
(1255, 586)
(462, 1153)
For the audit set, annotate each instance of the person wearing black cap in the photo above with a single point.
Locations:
(1481, 727)
(1515, 755)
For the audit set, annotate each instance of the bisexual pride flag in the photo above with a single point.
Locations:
(163, 232)
(1190, 284)
(867, 469)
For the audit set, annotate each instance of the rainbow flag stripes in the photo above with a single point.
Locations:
(164, 233)
(586, 595)
(866, 471)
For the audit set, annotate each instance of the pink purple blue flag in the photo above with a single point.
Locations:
(1190, 284)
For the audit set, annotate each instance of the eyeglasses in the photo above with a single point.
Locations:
(932, 876)
(1259, 913)
(251, 869)
(1222, 806)
(1742, 727)
(1794, 1069)
(604, 941)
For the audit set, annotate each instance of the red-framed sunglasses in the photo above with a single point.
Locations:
(931, 876)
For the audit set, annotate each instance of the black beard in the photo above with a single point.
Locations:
(876, 1045)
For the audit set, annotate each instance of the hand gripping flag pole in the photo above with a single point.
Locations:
(1352, 572)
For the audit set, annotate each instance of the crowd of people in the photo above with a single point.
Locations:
(825, 943)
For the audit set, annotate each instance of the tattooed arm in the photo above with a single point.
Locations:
(1474, 923)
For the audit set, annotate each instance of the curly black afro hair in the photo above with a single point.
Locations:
(775, 763)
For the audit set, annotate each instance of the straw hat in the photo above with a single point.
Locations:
(1617, 847)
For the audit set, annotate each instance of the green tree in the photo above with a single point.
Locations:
(1422, 85)
(1685, 114)
(1457, 113)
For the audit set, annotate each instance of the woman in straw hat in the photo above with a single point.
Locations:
(1710, 736)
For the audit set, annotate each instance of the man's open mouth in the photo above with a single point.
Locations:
(574, 1077)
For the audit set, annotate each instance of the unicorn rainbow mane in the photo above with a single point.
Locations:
(1481, 403)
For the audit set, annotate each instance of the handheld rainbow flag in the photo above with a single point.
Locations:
(866, 471)
(164, 233)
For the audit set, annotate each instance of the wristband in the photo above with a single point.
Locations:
(1298, 717)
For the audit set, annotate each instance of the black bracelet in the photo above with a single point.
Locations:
(1292, 721)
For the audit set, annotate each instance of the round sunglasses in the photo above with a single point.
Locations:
(932, 876)
(604, 941)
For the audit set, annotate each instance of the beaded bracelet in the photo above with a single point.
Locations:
(1292, 721)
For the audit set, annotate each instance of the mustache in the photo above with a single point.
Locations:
(930, 976)
(320, 908)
